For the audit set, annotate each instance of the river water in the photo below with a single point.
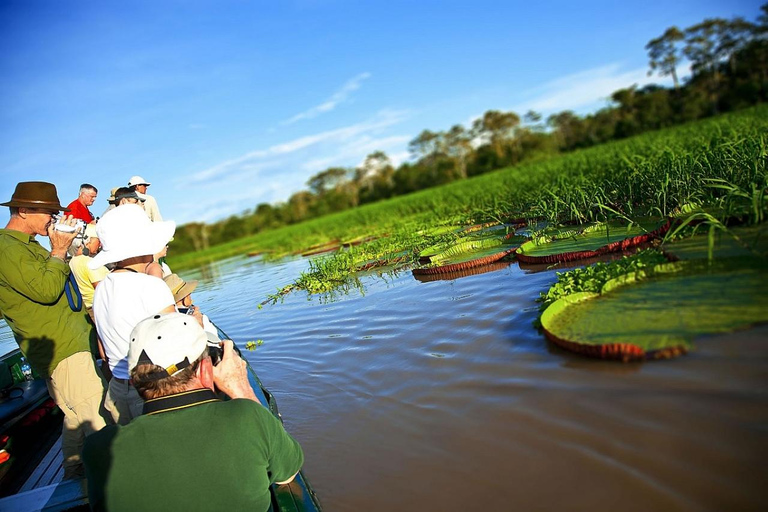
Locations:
(441, 395)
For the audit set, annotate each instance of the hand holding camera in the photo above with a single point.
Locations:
(231, 374)
(61, 232)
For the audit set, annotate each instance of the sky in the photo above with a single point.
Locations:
(222, 105)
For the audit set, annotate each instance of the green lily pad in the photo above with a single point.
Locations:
(469, 254)
(738, 242)
(591, 241)
(660, 314)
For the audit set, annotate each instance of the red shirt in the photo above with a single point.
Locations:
(79, 211)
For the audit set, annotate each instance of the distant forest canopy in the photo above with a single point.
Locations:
(729, 64)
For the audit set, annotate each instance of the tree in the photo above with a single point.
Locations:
(327, 180)
(427, 145)
(373, 177)
(664, 53)
(496, 128)
(458, 144)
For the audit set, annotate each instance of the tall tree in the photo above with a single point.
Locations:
(427, 145)
(496, 128)
(326, 180)
(458, 144)
(664, 54)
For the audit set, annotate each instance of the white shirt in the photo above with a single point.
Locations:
(151, 208)
(121, 301)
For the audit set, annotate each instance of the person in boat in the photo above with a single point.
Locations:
(79, 207)
(55, 339)
(127, 295)
(140, 185)
(182, 294)
(126, 195)
(111, 200)
(81, 251)
(190, 450)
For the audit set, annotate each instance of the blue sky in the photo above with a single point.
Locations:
(223, 105)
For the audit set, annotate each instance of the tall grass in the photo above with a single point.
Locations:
(719, 163)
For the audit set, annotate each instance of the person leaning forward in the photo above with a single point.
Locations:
(190, 450)
(127, 295)
(55, 340)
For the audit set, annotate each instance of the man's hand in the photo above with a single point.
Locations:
(231, 374)
(197, 314)
(61, 240)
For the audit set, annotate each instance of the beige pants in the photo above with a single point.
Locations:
(77, 387)
(123, 401)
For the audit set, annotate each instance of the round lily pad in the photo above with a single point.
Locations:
(469, 254)
(658, 317)
(590, 242)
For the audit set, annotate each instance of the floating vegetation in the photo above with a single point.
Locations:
(660, 313)
(590, 241)
(593, 278)
(469, 254)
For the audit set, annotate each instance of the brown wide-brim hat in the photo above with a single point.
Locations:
(35, 194)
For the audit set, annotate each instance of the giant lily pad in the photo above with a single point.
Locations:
(469, 254)
(590, 242)
(659, 315)
(737, 242)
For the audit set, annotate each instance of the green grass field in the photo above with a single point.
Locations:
(718, 165)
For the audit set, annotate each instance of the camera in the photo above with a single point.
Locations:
(64, 228)
(216, 352)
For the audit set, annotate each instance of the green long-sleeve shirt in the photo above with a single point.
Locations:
(33, 302)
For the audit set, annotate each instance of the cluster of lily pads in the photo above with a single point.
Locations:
(646, 305)
(651, 305)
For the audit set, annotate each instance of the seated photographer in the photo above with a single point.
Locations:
(189, 450)
(182, 294)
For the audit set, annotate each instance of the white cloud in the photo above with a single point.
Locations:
(585, 88)
(262, 158)
(357, 150)
(331, 103)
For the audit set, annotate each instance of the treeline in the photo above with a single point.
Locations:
(729, 70)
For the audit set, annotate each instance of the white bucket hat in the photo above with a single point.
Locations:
(126, 232)
(137, 180)
(173, 341)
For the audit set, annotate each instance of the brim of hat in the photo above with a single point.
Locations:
(157, 236)
(32, 204)
(186, 289)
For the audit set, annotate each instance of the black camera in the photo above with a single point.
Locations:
(216, 352)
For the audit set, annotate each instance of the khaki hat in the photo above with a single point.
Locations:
(179, 287)
(35, 194)
(173, 341)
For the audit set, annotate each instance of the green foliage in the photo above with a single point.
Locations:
(593, 277)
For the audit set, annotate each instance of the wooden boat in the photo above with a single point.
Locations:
(30, 433)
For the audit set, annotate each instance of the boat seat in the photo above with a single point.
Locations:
(21, 398)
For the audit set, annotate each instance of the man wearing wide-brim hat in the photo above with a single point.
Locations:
(127, 295)
(140, 185)
(56, 340)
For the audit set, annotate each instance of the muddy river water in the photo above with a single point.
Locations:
(441, 395)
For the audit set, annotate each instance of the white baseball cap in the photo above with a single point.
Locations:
(137, 180)
(173, 341)
(126, 231)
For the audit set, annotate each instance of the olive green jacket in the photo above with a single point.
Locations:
(33, 302)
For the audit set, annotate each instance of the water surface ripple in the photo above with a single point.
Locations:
(441, 395)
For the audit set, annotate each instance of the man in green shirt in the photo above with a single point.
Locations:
(189, 450)
(55, 339)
